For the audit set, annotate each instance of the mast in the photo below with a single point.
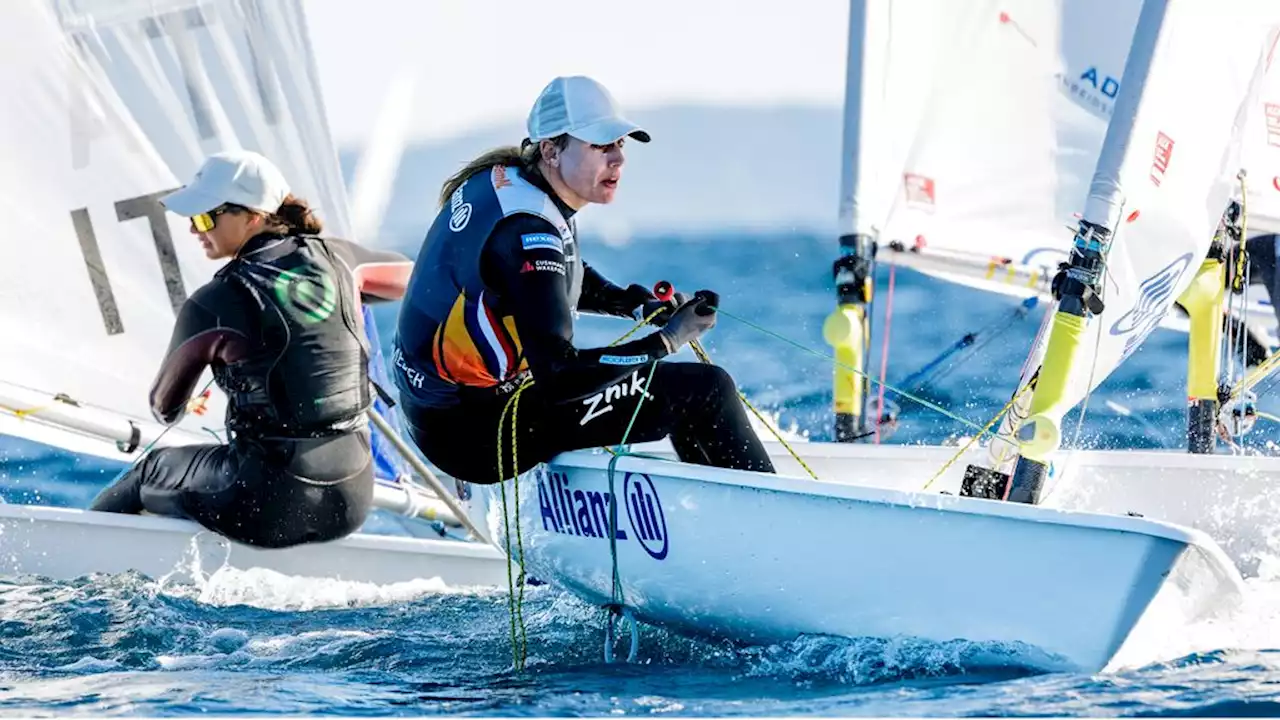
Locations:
(1162, 184)
(848, 328)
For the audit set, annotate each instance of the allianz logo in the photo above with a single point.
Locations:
(566, 510)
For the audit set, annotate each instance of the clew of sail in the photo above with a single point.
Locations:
(1166, 172)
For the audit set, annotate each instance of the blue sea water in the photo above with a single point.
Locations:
(261, 644)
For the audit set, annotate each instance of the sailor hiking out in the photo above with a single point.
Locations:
(280, 326)
(491, 307)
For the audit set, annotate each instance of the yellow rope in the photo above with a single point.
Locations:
(520, 638)
(704, 357)
(637, 326)
(985, 429)
(23, 414)
(777, 435)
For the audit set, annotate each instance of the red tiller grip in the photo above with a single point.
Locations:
(664, 291)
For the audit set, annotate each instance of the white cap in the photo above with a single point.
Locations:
(582, 108)
(238, 177)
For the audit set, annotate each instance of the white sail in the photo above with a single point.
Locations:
(1014, 130)
(199, 76)
(94, 268)
(1168, 167)
(1261, 152)
(122, 100)
(893, 56)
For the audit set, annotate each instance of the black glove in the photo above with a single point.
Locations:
(694, 318)
(665, 309)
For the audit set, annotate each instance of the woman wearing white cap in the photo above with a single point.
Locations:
(491, 305)
(281, 328)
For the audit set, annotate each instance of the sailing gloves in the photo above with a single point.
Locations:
(682, 320)
(691, 320)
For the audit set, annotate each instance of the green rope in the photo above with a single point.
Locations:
(932, 406)
(515, 610)
(616, 596)
(524, 635)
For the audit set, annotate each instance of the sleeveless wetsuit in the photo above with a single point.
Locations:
(491, 304)
(280, 328)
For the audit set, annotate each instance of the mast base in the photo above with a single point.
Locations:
(1029, 480)
(1202, 420)
(848, 428)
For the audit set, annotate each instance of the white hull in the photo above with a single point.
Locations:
(857, 562)
(64, 544)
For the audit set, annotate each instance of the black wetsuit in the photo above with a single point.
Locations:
(532, 283)
(280, 328)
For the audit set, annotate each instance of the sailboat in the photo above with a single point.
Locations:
(996, 127)
(966, 157)
(682, 545)
(119, 100)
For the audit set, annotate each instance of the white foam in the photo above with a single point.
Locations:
(270, 590)
(771, 425)
(1165, 635)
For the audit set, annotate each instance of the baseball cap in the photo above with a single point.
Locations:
(583, 108)
(238, 177)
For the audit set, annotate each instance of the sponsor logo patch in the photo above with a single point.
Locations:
(542, 241)
(500, 179)
(586, 513)
(920, 190)
(623, 359)
(1155, 295)
(554, 266)
(459, 211)
(602, 402)
(1160, 161)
